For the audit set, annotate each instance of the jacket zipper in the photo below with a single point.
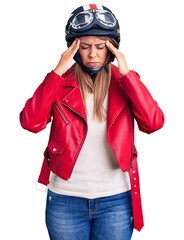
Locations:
(60, 112)
(131, 129)
(74, 111)
(82, 141)
(107, 141)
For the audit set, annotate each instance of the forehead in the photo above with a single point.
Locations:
(91, 39)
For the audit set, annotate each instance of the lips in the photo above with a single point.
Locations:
(92, 63)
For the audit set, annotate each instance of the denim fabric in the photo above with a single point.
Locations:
(77, 218)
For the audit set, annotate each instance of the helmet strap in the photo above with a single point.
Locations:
(95, 70)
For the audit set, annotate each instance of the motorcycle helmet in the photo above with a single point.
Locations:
(92, 20)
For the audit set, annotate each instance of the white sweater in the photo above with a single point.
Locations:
(96, 172)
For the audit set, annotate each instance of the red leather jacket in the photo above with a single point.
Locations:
(60, 98)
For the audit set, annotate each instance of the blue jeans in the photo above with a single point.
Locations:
(77, 218)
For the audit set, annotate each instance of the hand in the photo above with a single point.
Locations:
(122, 65)
(66, 58)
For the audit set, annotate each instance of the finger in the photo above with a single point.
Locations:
(75, 43)
(111, 47)
(72, 45)
(75, 47)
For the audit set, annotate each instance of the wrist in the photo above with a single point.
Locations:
(124, 73)
(58, 71)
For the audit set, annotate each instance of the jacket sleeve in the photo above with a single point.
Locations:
(148, 114)
(37, 110)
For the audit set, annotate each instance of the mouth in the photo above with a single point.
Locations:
(92, 64)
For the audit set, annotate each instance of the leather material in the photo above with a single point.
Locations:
(136, 195)
(59, 99)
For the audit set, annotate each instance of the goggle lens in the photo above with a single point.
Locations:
(83, 19)
(106, 18)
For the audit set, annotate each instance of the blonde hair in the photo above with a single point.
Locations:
(99, 88)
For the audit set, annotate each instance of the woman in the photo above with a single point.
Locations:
(93, 191)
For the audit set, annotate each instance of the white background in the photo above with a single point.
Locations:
(32, 40)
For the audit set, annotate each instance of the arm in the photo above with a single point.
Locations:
(148, 114)
(37, 111)
(146, 110)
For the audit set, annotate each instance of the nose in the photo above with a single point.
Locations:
(92, 52)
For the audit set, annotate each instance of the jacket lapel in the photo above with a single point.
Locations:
(73, 100)
(117, 98)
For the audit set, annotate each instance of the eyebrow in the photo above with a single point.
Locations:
(90, 44)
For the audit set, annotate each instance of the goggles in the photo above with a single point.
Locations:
(102, 18)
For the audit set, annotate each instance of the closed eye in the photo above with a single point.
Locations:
(88, 47)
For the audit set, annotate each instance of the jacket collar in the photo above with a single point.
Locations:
(117, 98)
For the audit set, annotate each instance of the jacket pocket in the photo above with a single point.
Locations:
(56, 156)
(56, 148)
